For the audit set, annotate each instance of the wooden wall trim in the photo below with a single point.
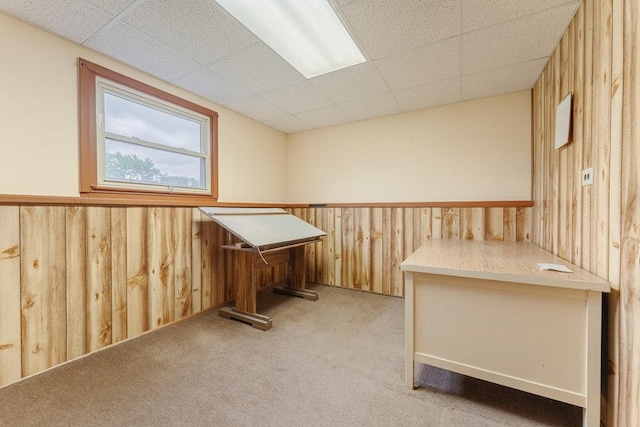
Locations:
(132, 201)
(454, 204)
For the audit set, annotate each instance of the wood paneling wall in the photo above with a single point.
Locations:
(364, 247)
(597, 227)
(77, 279)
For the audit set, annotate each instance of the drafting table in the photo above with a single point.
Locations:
(270, 236)
(485, 309)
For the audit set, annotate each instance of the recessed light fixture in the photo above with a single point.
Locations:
(308, 34)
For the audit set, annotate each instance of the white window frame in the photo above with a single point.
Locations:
(107, 86)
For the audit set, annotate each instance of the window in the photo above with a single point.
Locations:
(138, 142)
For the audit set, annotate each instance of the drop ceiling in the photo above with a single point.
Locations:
(420, 53)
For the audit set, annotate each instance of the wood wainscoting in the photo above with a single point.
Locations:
(75, 279)
(365, 246)
(597, 226)
(79, 278)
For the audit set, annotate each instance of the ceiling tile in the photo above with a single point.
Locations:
(422, 65)
(140, 51)
(479, 14)
(75, 20)
(298, 98)
(512, 41)
(113, 7)
(377, 106)
(431, 95)
(324, 117)
(288, 124)
(421, 53)
(512, 78)
(386, 27)
(257, 108)
(198, 29)
(349, 84)
(208, 84)
(258, 69)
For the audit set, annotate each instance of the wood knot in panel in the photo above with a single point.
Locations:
(615, 86)
(105, 334)
(183, 292)
(29, 301)
(164, 274)
(12, 252)
(136, 280)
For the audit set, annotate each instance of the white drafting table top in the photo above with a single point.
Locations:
(502, 261)
(263, 227)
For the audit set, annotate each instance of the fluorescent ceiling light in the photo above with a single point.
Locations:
(308, 34)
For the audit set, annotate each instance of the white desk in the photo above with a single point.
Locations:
(486, 310)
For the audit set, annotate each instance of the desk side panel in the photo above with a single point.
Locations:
(523, 336)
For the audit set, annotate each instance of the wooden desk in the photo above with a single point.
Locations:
(486, 310)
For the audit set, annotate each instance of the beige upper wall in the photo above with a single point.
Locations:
(471, 151)
(39, 123)
(478, 150)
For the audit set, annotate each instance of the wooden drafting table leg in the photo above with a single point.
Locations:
(245, 309)
(591, 412)
(256, 320)
(296, 277)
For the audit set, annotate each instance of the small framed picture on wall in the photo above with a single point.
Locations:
(563, 121)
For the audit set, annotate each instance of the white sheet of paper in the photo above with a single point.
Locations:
(553, 267)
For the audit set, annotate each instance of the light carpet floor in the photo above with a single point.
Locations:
(335, 362)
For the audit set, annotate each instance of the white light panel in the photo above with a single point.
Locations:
(306, 33)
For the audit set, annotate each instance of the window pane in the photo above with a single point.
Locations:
(134, 163)
(128, 118)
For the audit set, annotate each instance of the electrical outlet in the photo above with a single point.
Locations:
(587, 176)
